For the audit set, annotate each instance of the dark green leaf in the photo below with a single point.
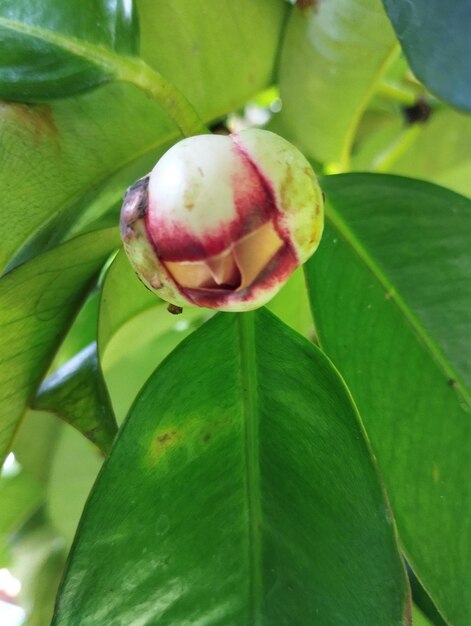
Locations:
(227, 498)
(54, 49)
(423, 601)
(435, 38)
(38, 301)
(391, 295)
(77, 393)
(331, 62)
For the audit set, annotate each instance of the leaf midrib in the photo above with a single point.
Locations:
(248, 376)
(130, 69)
(412, 320)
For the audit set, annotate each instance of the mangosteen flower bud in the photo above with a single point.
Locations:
(222, 221)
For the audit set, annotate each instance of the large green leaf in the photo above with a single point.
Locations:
(240, 491)
(38, 301)
(391, 296)
(52, 49)
(435, 39)
(332, 59)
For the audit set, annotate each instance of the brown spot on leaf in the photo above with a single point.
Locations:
(36, 119)
(163, 440)
(452, 383)
(174, 309)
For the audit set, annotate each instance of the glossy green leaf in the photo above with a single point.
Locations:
(227, 498)
(38, 301)
(332, 59)
(391, 296)
(77, 393)
(423, 602)
(50, 49)
(435, 39)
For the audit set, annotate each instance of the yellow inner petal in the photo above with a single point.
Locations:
(234, 269)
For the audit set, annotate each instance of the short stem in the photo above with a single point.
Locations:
(137, 72)
(397, 93)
